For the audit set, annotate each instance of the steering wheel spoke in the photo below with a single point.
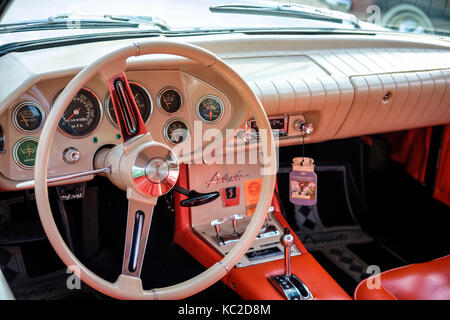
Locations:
(127, 113)
(139, 219)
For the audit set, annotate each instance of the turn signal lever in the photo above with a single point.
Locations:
(195, 198)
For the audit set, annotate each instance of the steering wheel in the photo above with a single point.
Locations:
(146, 170)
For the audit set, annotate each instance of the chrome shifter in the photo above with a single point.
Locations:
(287, 240)
(288, 284)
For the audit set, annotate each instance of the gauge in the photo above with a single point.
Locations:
(25, 152)
(28, 116)
(210, 108)
(169, 100)
(176, 131)
(82, 115)
(143, 101)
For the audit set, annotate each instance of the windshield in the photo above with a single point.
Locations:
(404, 16)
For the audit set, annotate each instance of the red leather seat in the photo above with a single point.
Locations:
(421, 281)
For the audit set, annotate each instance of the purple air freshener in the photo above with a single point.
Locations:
(303, 182)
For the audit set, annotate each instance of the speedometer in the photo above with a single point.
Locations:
(82, 115)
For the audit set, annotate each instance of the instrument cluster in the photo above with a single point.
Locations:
(84, 114)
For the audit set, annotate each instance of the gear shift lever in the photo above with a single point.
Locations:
(287, 240)
(288, 284)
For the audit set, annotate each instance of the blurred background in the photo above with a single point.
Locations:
(418, 16)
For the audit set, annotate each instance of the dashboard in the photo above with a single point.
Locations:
(169, 101)
(345, 86)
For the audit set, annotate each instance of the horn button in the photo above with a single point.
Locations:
(155, 170)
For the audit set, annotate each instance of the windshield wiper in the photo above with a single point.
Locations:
(66, 21)
(154, 21)
(290, 11)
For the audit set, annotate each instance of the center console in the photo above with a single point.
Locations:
(272, 268)
(221, 223)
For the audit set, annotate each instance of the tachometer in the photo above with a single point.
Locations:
(82, 115)
(143, 101)
(169, 100)
(24, 152)
(28, 116)
(176, 131)
(210, 108)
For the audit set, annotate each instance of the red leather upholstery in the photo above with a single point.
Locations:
(422, 281)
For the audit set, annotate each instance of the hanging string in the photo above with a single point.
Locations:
(303, 149)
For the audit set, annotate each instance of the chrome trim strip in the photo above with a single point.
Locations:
(155, 294)
(138, 49)
(224, 266)
(30, 183)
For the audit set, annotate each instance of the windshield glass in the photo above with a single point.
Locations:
(404, 16)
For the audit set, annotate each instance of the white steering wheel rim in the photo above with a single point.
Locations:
(127, 287)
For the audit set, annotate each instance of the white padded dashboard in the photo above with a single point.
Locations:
(345, 85)
(341, 91)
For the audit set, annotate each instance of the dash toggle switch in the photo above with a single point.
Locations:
(216, 224)
(234, 218)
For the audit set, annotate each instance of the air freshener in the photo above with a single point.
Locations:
(303, 182)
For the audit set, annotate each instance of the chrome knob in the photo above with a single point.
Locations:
(244, 135)
(287, 241)
(71, 155)
(303, 127)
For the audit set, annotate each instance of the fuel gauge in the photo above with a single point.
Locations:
(169, 100)
(28, 116)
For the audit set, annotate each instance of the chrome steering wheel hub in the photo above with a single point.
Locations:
(155, 169)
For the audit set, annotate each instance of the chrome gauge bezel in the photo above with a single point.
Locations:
(16, 146)
(168, 123)
(107, 99)
(16, 110)
(100, 107)
(158, 100)
(210, 96)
